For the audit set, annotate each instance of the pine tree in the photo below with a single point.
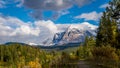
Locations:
(114, 9)
(108, 32)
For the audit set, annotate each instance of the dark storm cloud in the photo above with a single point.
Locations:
(48, 4)
(39, 6)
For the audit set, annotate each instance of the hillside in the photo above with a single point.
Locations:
(17, 55)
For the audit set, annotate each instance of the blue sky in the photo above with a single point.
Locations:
(23, 13)
(28, 21)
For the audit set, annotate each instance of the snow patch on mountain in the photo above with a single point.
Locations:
(75, 33)
(32, 44)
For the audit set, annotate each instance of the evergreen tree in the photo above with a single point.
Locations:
(114, 11)
(108, 29)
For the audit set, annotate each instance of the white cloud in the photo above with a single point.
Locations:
(48, 24)
(32, 44)
(12, 26)
(90, 16)
(81, 26)
(15, 30)
(5, 30)
(26, 30)
(104, 5)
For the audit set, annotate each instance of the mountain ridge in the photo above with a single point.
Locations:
(74, 34)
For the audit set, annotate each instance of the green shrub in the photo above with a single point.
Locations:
(105, 56)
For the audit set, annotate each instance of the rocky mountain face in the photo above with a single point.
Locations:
(74, 34)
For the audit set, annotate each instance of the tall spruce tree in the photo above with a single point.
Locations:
(115, 14)
(108, 29)
(114, 9)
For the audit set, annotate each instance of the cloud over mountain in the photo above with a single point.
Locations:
(15, 30)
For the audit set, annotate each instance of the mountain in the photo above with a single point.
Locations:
(74, 34)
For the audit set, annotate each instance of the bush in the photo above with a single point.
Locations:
(84, 52)
(105, 56)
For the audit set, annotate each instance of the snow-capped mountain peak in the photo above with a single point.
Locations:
(71, 33)
(75, 34)
(83, 26)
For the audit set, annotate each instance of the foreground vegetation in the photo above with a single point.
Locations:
(21, 56)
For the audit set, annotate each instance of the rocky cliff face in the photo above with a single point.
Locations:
(74, 34)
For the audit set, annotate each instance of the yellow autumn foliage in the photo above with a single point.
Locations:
(35, 64)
